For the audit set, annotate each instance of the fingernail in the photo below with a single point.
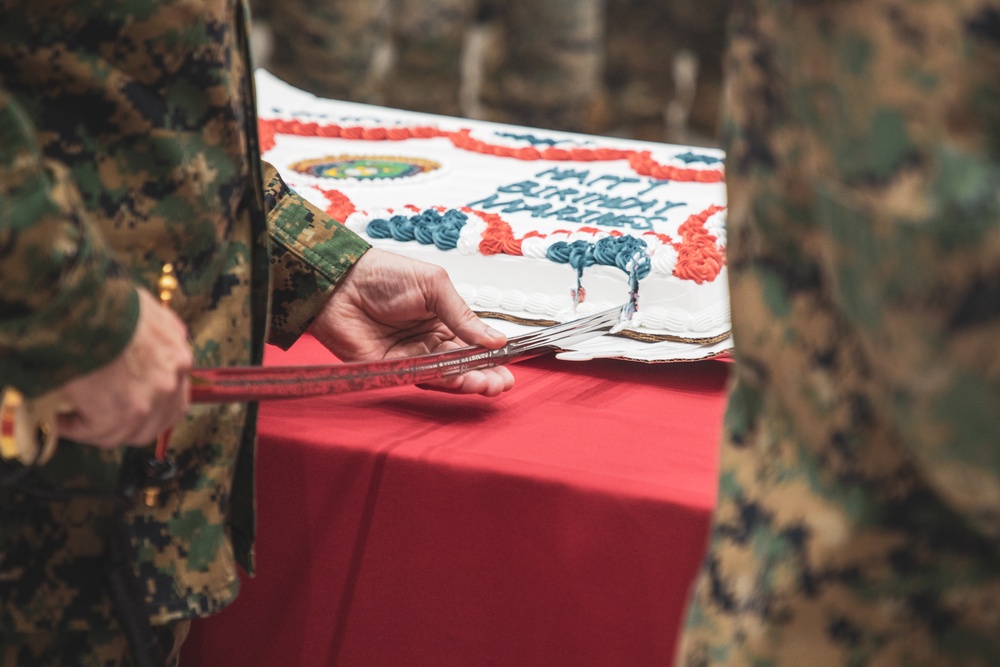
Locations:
(493, 333)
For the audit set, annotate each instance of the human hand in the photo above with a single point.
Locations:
(138, 395)
(391, 306)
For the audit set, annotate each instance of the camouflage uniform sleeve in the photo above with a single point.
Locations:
(66, 307)
(310, 253)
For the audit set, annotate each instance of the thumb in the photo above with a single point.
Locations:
(465, 324)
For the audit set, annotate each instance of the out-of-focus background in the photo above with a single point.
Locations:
(640, 69)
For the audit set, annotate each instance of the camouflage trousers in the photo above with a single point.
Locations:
(99, 648)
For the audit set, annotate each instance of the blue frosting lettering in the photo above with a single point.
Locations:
(530, 138)
(615, 180)
(558, 174)
(487, 202)
(635, 202)
(667, 206)
(653, 184)
(623, 203)
(511, 206)
(562, 193)
(579, 218)
(536, 211)
(523, 188)
(691, 158)
(562, 212)
(587, 198)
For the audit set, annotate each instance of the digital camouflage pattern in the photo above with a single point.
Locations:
(100, 648)
(859, 505)
(128, 140)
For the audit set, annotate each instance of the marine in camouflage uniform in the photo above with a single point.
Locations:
(128, 140)
(329, 48)
(858, 520)
(428, 44)
(665, 59)
(546, 68)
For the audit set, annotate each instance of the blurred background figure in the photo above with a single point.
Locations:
(429, 66)
(328, 48)
(544, 65)
(663, 69)
(632, 68)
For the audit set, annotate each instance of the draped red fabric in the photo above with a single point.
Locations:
(560, 524)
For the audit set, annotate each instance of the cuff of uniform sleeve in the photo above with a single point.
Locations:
(311, 252)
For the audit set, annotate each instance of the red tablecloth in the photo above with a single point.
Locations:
(560, 524)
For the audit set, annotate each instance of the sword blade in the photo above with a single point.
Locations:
(242, 384)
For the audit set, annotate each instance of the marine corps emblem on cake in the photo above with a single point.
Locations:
(365, 167)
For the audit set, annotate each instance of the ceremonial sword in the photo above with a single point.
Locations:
(28, 428)
(28, 433)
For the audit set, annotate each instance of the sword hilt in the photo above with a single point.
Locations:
(28, 432)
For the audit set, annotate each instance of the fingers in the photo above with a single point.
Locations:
(393, 306)
(486, 382)
(491, 382)
(452, 310)
(137, 422)
(141, 393)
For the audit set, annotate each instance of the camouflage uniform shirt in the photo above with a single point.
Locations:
(128, 140)
(858, 520)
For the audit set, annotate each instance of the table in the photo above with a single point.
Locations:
(559, 524)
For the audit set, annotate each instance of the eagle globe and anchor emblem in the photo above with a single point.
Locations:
(365, 167)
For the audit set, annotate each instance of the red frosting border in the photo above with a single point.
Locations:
(641, 162)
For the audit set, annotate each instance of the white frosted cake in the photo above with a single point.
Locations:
(533, 226)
